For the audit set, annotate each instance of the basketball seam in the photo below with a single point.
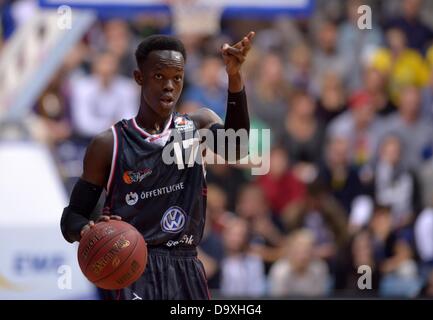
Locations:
(97, 251)
(118, 267)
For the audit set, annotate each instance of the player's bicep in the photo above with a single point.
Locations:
(97, 161)
(204, 118)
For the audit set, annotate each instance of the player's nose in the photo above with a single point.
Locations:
(168, 86)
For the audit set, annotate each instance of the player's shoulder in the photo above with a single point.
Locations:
(104, 138)
(97, 160)
(102, 144)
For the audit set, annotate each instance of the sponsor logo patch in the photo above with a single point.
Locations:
(131, 198)
(183, 125)
(130, 177)
(173, 220)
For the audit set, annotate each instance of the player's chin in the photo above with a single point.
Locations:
(166, 107)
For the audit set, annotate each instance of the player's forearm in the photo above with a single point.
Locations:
(71, 224)
(235, 82)
(237, 116)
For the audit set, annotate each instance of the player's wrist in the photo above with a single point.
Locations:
(235, 83)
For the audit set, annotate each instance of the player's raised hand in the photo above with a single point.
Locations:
(235, 55)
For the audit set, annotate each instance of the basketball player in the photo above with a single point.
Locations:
(166, 203)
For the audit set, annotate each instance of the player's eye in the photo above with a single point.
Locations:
(178, 78)
(158, 76)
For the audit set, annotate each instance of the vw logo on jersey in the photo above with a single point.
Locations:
(131, 198)
(173, 220)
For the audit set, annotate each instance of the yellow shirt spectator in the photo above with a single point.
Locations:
(408, 68)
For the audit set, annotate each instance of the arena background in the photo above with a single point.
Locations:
(347, 94)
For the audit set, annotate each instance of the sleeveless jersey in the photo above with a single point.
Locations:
(164, 202)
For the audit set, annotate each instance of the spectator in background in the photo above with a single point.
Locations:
(267, 99)
(400, 271)
(418, 34)
(359, 252)
(52, 109)
(320, 213)
(382, 232)
(395, 255)
(416, 132)
(375, 85)
(266, 232)
(300, 71)
(360, 126)
(326, 57)
(280, 186)
(220, 174)
(340, 177)
(242, 272)
(101, 99)
(299, 272)
(119, 41)
(403, 66)
(395, 186)
(210, 90)
(357, 44)
(332, 98)
(303, 135)
(216, 208)
(211, 248)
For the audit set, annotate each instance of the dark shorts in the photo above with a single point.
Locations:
(171, 274)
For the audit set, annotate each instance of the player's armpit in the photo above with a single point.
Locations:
(84, 198)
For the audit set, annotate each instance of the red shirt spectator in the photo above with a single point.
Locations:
(280, 186)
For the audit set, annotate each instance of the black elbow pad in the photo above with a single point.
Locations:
(71, 224)
(84, 198)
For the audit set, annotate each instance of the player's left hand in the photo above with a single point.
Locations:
(234, 56)
(108, 217)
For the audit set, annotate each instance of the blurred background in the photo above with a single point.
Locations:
(351, 116)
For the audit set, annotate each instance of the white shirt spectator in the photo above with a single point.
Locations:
(95, 108)
(395, 190)
(285, 282)
(243, 275)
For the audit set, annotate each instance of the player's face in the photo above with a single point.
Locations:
(161, 78)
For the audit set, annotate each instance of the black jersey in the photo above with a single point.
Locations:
(165, 202)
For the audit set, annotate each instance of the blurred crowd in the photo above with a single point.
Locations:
(351, 118)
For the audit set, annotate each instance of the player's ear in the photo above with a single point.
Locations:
(138, 77)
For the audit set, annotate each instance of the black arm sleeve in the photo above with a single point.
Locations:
(84, 198)
(237, 111)
(237, 118)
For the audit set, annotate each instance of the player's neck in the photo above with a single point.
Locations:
(150, 121)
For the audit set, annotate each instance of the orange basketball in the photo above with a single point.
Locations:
(112, 254)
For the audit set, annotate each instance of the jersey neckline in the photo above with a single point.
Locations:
(147, 134)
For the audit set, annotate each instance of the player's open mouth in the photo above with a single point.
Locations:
(167, 101)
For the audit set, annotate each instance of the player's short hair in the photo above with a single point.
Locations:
(158, 42)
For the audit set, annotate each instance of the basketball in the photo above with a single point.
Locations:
(112, 255)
